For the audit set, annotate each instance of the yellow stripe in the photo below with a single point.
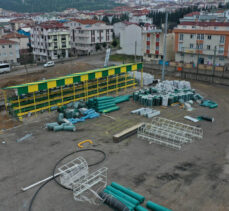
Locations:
(84, 77)
(123, 69)
(33, 88)
(98, 75)
(111, 72)
(51, 84)
(134, 67)
(68, 81)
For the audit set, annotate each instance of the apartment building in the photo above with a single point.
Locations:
(50, 41)
(19, 38)
(153, 44)
(87, 35)
(202, 43)
(9, 51)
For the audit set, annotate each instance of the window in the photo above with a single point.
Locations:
(202, 37)
(11, 54)
(3, 46)
(191, 36)
(157, 48)
(222, 38)
(191, 45)
(208, 47)
(10, 46)
(148, 47)
(221, 58)
(200, 46)
(209, 37)
(181, 47)
(181, 36)
(210, 57)
(221, 49)
(198, 36)
(148, 38)
(157, 39)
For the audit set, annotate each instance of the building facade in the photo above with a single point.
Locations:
(202, 43)
(9, 51)
(131, 40)
(88, 36)
(21, 39)
(50, 41)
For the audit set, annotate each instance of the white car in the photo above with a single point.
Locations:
(49, 64)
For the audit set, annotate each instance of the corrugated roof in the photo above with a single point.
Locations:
(13, 35)
(6, 42)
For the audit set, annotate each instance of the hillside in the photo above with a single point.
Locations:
(54, 5)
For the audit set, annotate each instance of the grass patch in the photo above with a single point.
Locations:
(123, 58)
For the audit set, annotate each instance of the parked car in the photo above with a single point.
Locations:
(5, 68)
(49, 64)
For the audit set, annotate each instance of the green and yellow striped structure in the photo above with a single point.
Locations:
(74, 78)
(42, 95)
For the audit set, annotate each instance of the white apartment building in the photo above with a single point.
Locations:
(201, 42)
(87, 34)
(131, 40)
(9, 51)
(140, 19)
(50, 41)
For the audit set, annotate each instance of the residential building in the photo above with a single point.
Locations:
(50, 41)
(118, 27)
(153, 44)
(9, 51)
(131, 40)
(202, 43)
(21, 39)
(87, 35)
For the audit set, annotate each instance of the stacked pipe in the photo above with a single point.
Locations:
(106, 104)
(125, 195)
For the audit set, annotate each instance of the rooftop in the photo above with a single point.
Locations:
(6, 42)
(204, 24)
(87, 21)
(13, 35)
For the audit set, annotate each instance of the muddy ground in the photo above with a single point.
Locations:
(192, 179)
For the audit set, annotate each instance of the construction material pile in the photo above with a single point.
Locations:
(147, 78)
(165, 93)
(106, 104)
(71, 114)
(147, 112)
(169, 133)
(121, 198)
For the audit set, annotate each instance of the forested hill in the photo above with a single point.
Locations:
(55, 5)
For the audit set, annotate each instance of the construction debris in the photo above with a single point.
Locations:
(147, 112)
(147, 78)
(169, 133)
(209, 104)
(126, 133)
(191, 118)
(24, 137)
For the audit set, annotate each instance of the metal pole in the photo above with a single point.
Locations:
(197, 65)
(164, 49)
(135, 51)
(213, 68)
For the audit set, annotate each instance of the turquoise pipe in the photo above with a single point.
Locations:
(156, 207)
(140, 208)
(128, 204)
(123, 195)
(129, 192)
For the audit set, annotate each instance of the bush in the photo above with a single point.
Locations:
(114, 43)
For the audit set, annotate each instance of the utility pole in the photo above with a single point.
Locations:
(213, 68)
(164, 50)
(135, 49)
(197, 65)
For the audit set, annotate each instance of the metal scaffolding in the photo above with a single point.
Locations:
(169, 133)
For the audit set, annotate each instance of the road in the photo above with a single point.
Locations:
(96, 60)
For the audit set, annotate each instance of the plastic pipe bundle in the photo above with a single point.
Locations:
(129, 192)
(140, 208)
(113, 202)
(123, 195)
(156, 207)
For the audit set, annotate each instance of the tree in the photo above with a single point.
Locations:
(104, 45)
(97, 47)
(106, 20)
(114, 43)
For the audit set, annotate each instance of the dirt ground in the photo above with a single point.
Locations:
(192, 179)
